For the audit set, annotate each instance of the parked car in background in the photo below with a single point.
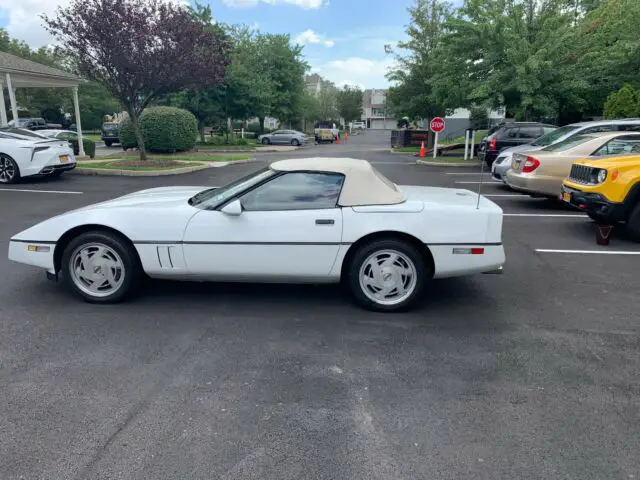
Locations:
(33, 124)
(504, 160)
(24, 153)
(510, 134)
(541, 172)
(67, 135)
(110, 133)
(607, 189)
(283, 137)
(358, 126)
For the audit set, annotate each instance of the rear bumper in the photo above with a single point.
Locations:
(533, 184)
(451, 264)
(595, 204)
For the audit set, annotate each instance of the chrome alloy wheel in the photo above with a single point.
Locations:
(388, 277)
(7, 170)
(96, 269)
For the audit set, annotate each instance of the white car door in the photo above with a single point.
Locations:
(287, 228)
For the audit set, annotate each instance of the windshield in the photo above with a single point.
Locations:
(21, 131)
(110, 126)
(213, 197)
(567, 144)
(552, 137)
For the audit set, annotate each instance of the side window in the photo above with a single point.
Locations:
(295, 191)
(530, 132)
(510, 133)
(546, 130)
(600, 128)
(619, 146)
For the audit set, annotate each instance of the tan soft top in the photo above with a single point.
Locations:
(363, 185)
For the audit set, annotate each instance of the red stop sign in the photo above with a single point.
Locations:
(437, 124)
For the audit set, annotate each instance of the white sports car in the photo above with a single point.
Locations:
(24, 153)
(310, 220)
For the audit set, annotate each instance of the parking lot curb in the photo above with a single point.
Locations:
(154, 173)
(448, 164)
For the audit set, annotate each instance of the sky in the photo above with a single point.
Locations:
(343, 39)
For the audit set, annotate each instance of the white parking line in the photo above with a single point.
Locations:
(492, 180)
(39, 191)
(597, 252)
(467, 173)
(506, 195)
(560, 215)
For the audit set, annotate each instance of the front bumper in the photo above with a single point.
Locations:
(35, 253)
(595, 204)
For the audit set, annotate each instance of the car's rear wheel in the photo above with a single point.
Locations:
(633, 223)
(387, 275)
(9, 171)
(101, 267)
(108, 144)
(295, 142)
(265, 141)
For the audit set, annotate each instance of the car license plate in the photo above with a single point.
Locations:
(566, 196)
(64, 158)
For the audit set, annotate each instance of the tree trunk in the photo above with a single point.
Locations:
(136, 129)
(261, 125)
(201, 128)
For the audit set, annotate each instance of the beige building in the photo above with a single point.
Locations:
(374, 110)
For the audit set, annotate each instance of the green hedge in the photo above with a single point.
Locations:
(89, 147)
(222, 140)
(164, 129)
(127, 135)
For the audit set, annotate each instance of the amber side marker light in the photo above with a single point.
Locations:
(38, 248)
(614, 174)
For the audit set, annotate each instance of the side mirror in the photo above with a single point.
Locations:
(234, 208)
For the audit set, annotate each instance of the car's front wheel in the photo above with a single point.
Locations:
(108, 143)
(101, 267)
(295, 142)
(265, 141)
(9, 171)
(387, 275)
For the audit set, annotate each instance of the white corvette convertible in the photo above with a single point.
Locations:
(24, 153)
(310, 220)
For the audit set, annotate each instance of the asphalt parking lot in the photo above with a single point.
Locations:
(533, 374)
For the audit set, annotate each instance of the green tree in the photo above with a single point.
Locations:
(327, 102)
(623, 103)
(412, 93)
(349, 102)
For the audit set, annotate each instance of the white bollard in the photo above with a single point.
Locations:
(466, 144)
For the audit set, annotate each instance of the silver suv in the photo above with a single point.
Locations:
(503, 162)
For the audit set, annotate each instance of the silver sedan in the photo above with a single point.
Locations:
(283, 137)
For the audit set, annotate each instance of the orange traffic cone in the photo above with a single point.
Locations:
(423, 152)
(346, 137)
(338, 138)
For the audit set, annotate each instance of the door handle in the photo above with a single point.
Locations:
(322, 221)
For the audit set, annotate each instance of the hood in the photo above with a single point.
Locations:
(161, 197)
(610, 162)
(441, 196)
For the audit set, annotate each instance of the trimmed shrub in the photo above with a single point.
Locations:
(222, 140)
(127, 134)
(89, 147)
(168, 129)
(623, 103)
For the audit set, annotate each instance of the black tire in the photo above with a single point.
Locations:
(422, 271)
(132, 274)
(108, 144)
(265, 141)
(633, 223)
(9, 170)
(295, 143)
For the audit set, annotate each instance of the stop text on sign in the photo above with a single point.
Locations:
(437, 125)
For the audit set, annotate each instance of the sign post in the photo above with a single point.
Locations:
(436, 125)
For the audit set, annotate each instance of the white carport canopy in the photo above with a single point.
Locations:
(16, 72)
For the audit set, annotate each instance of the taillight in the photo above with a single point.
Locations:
(530, 165)
(493, 144)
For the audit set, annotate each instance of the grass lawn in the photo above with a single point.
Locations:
(161, 163)
(90, 136)
(222, 148)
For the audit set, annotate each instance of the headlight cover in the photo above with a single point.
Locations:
(602, 175)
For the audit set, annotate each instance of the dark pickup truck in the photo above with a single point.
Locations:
(35, 124)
